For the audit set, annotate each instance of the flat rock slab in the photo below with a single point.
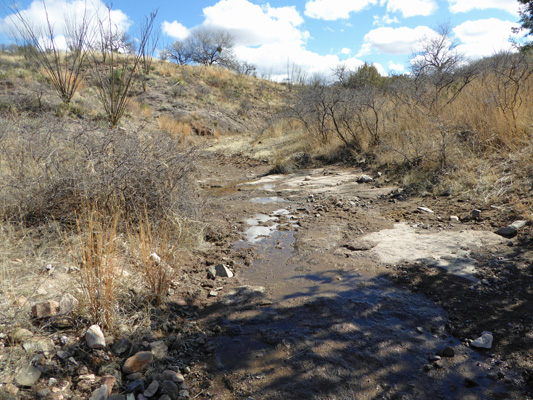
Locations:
(446, 250)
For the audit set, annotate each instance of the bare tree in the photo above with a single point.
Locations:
(178, 53)
(65, 70)
(440, 71)
(114, 78)
(204, 46)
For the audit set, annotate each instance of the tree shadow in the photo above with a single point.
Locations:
(365, 339)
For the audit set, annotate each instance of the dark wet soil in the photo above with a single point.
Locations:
(310, 315)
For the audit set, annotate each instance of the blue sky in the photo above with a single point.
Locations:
(317, 35)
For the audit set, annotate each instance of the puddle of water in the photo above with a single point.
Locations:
(268, 200)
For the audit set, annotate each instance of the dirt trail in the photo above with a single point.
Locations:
(316, 311)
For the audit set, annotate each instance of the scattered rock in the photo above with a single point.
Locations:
(62, 354)
(151, 389)
(425, 209)
(211, 272)
(470, 383)
(21, 335)
(172, 376)
(159, 349)
(420, 330)
(28, 375)
(213, 293)
(135, 376)
(100, 393)
(448, 352)
(136, 386)
(155, 258)
(22, 301)
(43, 393)
(121, 347)
(169, 388)
(454, 218)
(95, 337)
(433, 358)
(45, 309)
(39, 345)
(365, 179)
(360, 245)
(223, 271)
(507, 232)
(68, 304)
(117, 397)
(511, 231)
(109, 381)
(138, 362)
(11, 389)
(165, 397)
(484, 341)
(475, 214)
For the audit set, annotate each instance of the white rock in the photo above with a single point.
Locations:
(95, 338)
(484, 341)
(425, 209)
(454, 218)
(518, 224)
(365, 179)
(155, 258)
(68, 304)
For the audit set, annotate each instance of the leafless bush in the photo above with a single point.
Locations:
(352, 115)
(115, 77)
(52, 171)
(64, 67)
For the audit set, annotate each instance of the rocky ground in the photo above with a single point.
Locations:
(324, 284)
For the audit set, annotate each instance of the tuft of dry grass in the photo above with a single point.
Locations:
(100, 266)
(153, 253)
(178, 129)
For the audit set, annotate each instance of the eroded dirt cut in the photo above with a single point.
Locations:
(315, 313)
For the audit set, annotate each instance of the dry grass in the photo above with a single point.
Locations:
(154, 257)
(142, 110)
(178, 129)
(100, 266)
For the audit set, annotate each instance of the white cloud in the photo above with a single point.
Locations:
(387, 40)
(254, 25)
(398, 68)
(272, 59)
(460, 6)
(346, 51)
(484, 37)
(269, 37)
(331, 10)
(175, 30)
(411, 8)
(385, 20)
(58, 12)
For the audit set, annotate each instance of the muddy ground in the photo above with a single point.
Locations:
(342, 290)
(347, 290)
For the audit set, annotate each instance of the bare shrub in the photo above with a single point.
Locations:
(64, 67)
(52, 171)
(114, 77)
